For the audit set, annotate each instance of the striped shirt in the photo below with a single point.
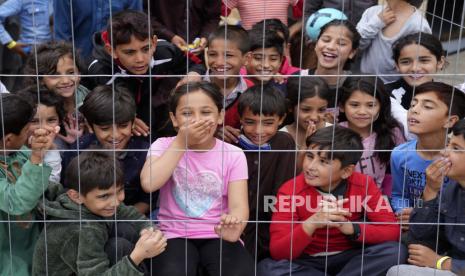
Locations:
(253, 11)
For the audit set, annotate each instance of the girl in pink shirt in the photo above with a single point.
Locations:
(366, 108)
(203, 188)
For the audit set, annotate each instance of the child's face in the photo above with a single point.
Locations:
(136, 55)
(361, 110)
(334, 47)
(455, 152)
(194, 107)
(264, 62)
(259, 128)
(104, 202)
(311, 111)
(45, 116)
(224, 58)
(415, 61)
(66, 80)
(319, 171)
(427, 114)
(113, 136)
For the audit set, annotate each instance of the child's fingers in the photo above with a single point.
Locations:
(229, 137)
(337, 218)
(158, 235)
(234, 131)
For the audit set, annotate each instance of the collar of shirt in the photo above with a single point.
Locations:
(246, 144)
(240, 87)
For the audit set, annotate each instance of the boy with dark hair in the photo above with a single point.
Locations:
(23, 180)
(439, 249)
(276, 25)
(435, 108)
(270, 158)
(339, 218)
(226, 54)
(110, 115)
(265, 57)
(129, 54)
(99, 246)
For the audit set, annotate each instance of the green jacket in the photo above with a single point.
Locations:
(77, 247)
(21, 186)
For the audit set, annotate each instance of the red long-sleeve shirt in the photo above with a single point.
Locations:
(358, 193)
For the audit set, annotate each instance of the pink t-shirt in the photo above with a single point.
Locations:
(193, 199)
(253, 11)
(369, 164)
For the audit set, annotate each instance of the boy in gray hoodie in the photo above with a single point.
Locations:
(89, 231)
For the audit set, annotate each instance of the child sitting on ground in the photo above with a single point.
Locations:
(23, 180)
(102, 245)
(226, 54)
(322, 219)
(435, 108)
(430, 254)
(270, 158)
(379, 27)
(110, 115)
(203, 189)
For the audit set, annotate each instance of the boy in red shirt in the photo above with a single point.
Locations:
(329, 220)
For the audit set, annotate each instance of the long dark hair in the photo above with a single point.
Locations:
(384, 126)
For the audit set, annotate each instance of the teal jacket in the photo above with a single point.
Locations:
(74, 240)
(21, 186)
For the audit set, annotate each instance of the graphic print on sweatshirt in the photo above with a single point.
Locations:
(195, 193)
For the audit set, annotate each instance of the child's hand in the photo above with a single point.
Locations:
(179, 41)
(150, 244)
(194, 132)
(310, 129)
(18, 49)
(278, 78)
(202, 46)
(331, 210)
(40, 141)
(231, 135)
(404, 217)
(421, 255)
(435, 173)
(73, 129)
(190, 77)
(230, 228)
(387, 16)
(330, 118)
(140, 128)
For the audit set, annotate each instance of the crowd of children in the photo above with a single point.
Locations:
(151, 160)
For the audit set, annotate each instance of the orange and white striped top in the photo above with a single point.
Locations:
(253, 11)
